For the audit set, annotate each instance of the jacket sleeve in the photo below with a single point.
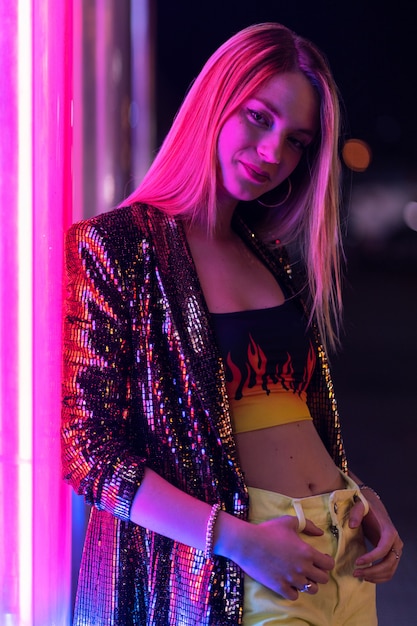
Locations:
(100, 444)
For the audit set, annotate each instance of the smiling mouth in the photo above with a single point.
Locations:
(256, 174)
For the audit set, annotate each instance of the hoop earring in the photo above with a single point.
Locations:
(281, 202)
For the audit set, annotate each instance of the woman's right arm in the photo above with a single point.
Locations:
(272, 552)
(99, 440)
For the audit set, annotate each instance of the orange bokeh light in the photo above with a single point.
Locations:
(356, 155)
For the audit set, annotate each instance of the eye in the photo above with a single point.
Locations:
(297, 143)
(259, 118)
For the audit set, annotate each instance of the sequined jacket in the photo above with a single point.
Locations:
(144, 386)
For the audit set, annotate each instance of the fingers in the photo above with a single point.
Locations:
(321, 563)
(382, 569)
(276, 556)
(356, 514)
(311, 529)
(379, 564)
(321, 569)
(396, 554)
(383, 549)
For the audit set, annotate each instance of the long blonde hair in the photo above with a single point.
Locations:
(182, 180)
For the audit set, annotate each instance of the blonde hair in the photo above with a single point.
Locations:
(183, 177)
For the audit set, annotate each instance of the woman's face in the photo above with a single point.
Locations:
(262, 142)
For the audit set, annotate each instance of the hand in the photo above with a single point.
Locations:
(274, 554)
(379, 564)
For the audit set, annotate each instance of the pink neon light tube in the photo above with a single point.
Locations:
(35, 154)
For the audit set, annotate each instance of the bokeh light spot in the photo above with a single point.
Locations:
(410, 215)
(356, 155)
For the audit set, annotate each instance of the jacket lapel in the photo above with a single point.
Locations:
(179, 280)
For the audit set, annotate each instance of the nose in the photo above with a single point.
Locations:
(270, 149)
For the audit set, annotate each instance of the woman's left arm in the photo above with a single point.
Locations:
(379, 564)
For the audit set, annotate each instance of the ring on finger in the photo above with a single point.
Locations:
(306, 587)
(397, 554)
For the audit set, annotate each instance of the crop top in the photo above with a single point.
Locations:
(269, 361)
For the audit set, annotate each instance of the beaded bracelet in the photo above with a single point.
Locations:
(362, 486)
(215, 510)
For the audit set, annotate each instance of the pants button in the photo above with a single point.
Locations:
(334, 530)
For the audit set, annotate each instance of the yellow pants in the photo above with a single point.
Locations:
(344, 600)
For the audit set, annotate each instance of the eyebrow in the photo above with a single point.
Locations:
(277, 112)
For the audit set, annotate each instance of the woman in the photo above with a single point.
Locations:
(199, 417)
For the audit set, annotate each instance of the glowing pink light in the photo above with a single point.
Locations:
(9, 583)
(24, 318)
(35, 83)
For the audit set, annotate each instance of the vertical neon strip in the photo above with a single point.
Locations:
(52, 97)
(77, 113)
(35, 186)
(9, 479)
(102, 35)
(24, 318)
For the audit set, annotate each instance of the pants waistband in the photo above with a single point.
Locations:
(264, 505)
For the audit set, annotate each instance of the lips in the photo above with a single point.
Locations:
(255, 173)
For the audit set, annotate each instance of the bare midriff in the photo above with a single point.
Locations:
(289, 459)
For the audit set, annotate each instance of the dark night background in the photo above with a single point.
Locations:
(372, 50)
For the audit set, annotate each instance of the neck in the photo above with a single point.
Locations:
(223, 229)
(225, 210)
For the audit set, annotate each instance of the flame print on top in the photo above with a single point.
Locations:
(257, 372)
